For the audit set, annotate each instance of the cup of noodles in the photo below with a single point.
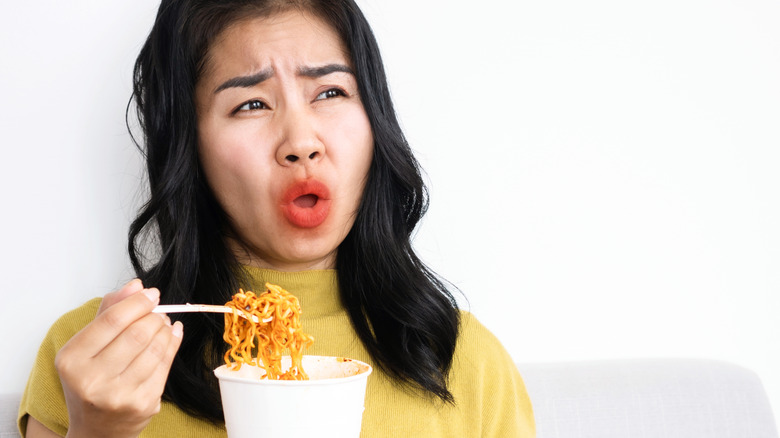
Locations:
(329, 404)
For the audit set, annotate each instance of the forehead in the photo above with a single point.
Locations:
(287, 39)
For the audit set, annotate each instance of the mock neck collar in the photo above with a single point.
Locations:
(317, 290)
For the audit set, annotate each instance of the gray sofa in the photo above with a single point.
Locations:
(668, 398)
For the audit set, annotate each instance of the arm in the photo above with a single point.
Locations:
(114, 370)
(37, 430)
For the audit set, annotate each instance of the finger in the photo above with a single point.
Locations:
(114, 320)
(155, 361)
(137, 338)
(133, 286)
(155, 383)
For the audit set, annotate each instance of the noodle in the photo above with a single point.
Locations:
(279, 327)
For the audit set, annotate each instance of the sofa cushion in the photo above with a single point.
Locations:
(685, 398)
(9, 409)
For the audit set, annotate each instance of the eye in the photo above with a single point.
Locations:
(331, 93)
(251, 106)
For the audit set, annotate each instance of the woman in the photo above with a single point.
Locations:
(273, 154)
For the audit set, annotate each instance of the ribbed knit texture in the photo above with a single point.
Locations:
(490, 397)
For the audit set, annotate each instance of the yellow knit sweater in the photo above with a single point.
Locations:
(490, 397)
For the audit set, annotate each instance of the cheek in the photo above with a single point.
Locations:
(365, 150)
(220, 147)
(355, 142)
(230, 164)
(360, 158)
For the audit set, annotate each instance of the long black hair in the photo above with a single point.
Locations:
(402, 312)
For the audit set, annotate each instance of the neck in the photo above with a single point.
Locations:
(247, 257)
(317, 290)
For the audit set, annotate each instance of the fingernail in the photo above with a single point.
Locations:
(178, 329)
(165, 318)
(153, 294)
(131, 287)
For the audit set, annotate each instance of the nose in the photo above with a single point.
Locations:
(300, 143)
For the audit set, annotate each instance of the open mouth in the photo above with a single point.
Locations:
(306, 204)
(306, 201)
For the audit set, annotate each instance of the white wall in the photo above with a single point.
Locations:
(603, 174)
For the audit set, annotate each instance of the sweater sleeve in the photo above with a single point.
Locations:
(493, 390)
(43, 397)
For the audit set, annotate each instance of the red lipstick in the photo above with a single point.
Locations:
(305, 204)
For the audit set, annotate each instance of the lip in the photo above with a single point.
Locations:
(306, 204)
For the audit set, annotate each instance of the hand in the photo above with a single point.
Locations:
(113, 371)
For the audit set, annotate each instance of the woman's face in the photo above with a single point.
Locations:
(283, 139)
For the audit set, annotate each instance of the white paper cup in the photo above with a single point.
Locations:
(329, 404)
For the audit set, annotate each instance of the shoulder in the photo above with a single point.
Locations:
(479, 347)
(72, 322)
(486, 382)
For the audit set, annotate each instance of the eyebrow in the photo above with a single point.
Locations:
(246, 81)
(316, 72)
(256, 78)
